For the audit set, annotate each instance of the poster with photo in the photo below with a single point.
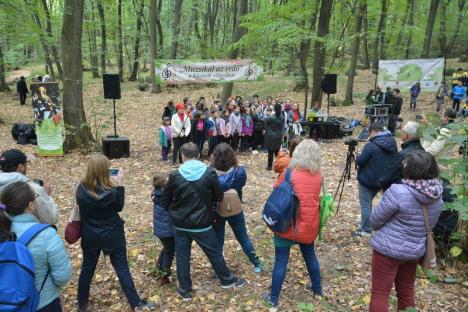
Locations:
(47, 107)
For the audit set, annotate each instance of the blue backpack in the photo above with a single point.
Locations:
(18, 291)
(282, 206)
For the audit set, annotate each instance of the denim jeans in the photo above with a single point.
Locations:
(239, 229)
(54, 306)
(365, 200)
(166, 256)
(209, 244)
(165, 150)
(212, 141)
(178, 142)
(120, 264)
(281, 265)
(413, 102)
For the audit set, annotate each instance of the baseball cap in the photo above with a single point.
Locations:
(10, 159)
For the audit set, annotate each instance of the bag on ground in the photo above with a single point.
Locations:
(18, 291)
(282, 206)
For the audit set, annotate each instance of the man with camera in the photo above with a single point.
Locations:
(375, 156)
(14, 164)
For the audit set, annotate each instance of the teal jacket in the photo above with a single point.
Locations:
(163, 139)
(48, 251)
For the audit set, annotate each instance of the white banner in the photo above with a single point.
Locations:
(402, 74)
(206, 71)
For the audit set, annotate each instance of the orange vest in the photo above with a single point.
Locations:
(307, 187)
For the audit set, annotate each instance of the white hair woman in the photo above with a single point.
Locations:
(306, 179)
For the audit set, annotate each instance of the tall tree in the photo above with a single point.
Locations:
(3, 84)
(380, 37)
(51, 40)
(176, 28)
(238, 31)
(92, 45)
(354, 53)
(78, 131)
(320, 47)
(136, 49)
(443, 27)
(403, 26)
(461, 14)
(120, 39)
(365, 44)
(430, 28)
(102, 19)
(153, 11)
(410, 33)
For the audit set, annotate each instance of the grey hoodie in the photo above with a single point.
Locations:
(46, 209)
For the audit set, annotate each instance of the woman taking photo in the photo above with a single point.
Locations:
(53, 268)
(399, 240)
(232, 176)
(307, 182)
(100, 200)
(274, 126)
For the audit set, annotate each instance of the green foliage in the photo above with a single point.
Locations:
(306, 307)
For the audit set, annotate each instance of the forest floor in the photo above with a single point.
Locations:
(345, 261)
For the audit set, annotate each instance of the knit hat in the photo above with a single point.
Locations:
(10, 159)
(180, 106)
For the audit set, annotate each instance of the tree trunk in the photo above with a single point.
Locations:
(201, 40)
(78, 131)
(103, 35)
(120, 43)
(3, 84)
(430, 28)
(238, 31)
(365, 44)
(403, 26)
(51, 41)
(343, 32)
(354, 55)
(443, 30)
(380, 36)
(410, 24)
(176, 28)
(461, 14)
(319, 49)
(160, 29)
(214, 7)
(153, 11)
(136, 49)
(93, 57)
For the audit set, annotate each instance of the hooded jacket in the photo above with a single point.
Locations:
(398, 222)
(190, 194)
(393, 173)
(46, 209)
(101, 224)
(375, 156)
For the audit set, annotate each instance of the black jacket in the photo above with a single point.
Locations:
(259, 124)
(274, 132)
(393, 172)
(396, 107)
(101, 225)
(21, 87)
(190, 203)
(168, 112)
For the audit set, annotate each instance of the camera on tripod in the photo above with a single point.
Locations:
(351, 143)
(346, 175)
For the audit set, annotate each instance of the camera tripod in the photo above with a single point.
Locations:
(346, 175)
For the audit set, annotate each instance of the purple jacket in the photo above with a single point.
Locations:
(247, 129)
(398, 220)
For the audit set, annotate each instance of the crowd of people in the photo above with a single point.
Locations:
(256, 125)
(196, 201)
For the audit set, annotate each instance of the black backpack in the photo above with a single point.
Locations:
(24, 133)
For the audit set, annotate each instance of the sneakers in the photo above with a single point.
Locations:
(186, 296)
(267, 299)
(237, 283)
(258, 269)
(316, 293)
(361, 233)
(145, 306)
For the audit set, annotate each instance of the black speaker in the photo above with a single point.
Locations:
(111, 86)
(329, 83)
(116, 147)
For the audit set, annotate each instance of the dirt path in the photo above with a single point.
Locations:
(15, 75)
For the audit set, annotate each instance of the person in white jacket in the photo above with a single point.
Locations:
(180, 124)
(441, 146)
(14, 164)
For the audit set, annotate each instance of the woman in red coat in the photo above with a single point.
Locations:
(306, 180)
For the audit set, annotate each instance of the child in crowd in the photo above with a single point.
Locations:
(212, 130)
(224, 128)
(235, 121)
(247, 130)
(165, 138)
(199, 131)
(162, 229)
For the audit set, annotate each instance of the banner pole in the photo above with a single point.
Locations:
(115, 121)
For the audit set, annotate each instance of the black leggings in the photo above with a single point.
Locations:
(271, 153)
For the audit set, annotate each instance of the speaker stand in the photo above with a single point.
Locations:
(328, 104)
(115, 123)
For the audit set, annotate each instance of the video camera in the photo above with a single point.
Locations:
(352, 143)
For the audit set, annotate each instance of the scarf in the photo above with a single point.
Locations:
(432, 188)
(296, 116)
